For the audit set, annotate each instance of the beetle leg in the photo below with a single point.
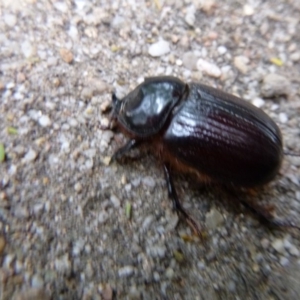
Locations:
(265, 214)
(177, 205)
(126, 148)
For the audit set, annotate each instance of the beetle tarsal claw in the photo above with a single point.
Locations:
(194, 226)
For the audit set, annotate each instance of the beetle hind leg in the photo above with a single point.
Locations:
(177, 205)
(266, 214)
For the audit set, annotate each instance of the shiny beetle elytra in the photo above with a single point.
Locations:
(201, 130)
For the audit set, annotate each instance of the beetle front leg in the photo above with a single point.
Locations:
(176, 204)
(126, 148)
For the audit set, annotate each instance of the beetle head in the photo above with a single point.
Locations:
(144, 111)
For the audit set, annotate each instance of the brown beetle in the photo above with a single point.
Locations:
(201, 130)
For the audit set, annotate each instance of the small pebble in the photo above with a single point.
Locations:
(190, 18)
(222, 50)
(159, 48)
(8, 260)
(37, 281)
(149, 181)
(78, 247)
(170, 273)
(27, 49)
(115, 201)
(294, 251)
(136, 182)
(189, 60)
(208, 6)
(156, 251)
(275, 85)
(278, 245)
(30, 156)
(156, 276)
(295, 57)
(265, 243)
(21, 212)
(105, 106)
(283, 118)
(63, 264)
(147, 222)
(258, 102)
(213, 219)
(240, 62)
(10, 20)
(284, 261)
(208, 68)
(73, 32)
(44, 121)
(134, 293)
(97, 86)
(126, 271)
(78, 187)
(87, 93)
(66, 55)
(61, 6)
(102, 217)
(232, 286)
(248, 10)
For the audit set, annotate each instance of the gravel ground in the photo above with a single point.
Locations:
(64, 233)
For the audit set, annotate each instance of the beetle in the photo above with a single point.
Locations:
(201, 130)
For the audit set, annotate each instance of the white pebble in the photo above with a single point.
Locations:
(28, 49)
(73, 32)
(294, 251)
(208, 68)
(30, 156)
(156, 251)
(61, 6)
(190, 18)
(222, 50)
(284, 261)
(10, 20)
(240, 62)
(78, 247)
(126, 271)
(147, 222)
(283, 118)
(159, 48)
(44, 121)
(178, 62)
(37, 281)
(72, 122)
(115, 201)
(149, 181)
(278, 245)
(248, 10)
(258, 102)
(63, 264)
(102, 217)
